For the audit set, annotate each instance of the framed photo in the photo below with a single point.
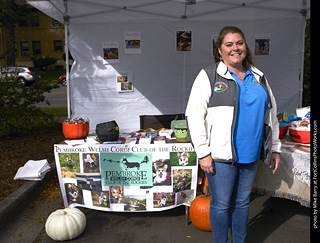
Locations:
(183, 40)
(262, 45)
(124, 81)
(110, 51)
(132, 42)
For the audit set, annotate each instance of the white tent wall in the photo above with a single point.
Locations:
(157, 74)
(162, 77)
(282, 67)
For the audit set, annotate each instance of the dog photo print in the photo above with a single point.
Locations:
(161, 169)
(135, 203)
(183, 40)
(182, 179)
(91, 162)
(163, 199)
(185, 197)
(116, 194)
(100, 198)
(69, 164)
(88, 180)
(183, 158)
(74, 193)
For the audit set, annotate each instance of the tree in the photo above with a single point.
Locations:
(43, 63)
(11, 14)
(19, 113)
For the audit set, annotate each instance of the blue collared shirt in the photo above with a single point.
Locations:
(252, 105)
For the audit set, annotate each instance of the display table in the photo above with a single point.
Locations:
(292, 179)
(127, 177)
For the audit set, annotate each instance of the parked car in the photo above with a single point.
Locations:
(25, 75)
(63, 80)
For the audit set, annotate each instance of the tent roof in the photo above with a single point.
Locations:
(109, 11)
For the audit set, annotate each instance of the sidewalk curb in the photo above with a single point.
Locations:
(25, 194)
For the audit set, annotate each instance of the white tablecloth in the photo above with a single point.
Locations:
(292, 179)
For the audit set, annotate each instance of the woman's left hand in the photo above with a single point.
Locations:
(275, 161)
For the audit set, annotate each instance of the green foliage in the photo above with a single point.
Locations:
(56, 111)
(51, 76)
(10, 14)
(9, 11)
(19, 114)
(43, 62)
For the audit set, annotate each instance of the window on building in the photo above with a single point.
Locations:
(24, 48)
(36, 47)
(56, 23)
(35, 21)
(58, 45)
(24, 24)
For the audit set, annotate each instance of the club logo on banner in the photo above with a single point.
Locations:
(129, 169)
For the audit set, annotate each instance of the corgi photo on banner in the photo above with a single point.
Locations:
(163, 199)
(161, 172)
(74, 193)
(116, 194)
(184, 158)
(100, 198)
(69, 164)
(104, 199)
(91, 162)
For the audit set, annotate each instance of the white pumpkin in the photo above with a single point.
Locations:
(65, 224)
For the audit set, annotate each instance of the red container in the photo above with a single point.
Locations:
(75, 131)
(283, 131)
(299, 136)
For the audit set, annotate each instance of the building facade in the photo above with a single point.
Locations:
(41, 36)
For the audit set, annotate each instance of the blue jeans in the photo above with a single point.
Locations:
(230, 188)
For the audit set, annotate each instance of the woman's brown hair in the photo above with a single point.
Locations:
(247, 62)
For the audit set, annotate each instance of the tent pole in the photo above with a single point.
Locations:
(303, 12)
(184, 73)
(302, 65)
(66, 48)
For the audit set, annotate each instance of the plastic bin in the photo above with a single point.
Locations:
(181, 131)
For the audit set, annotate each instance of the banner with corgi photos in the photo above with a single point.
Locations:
(120, 177)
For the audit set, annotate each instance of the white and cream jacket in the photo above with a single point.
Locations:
(212, 111)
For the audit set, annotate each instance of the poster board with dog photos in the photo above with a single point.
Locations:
(129, 178)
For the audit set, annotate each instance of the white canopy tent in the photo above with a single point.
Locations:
(162, 77)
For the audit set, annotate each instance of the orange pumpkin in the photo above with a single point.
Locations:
(204, 184)
(75, 131)
(199, 211)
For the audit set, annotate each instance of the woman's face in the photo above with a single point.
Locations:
(233, 50)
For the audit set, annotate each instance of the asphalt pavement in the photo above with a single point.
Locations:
(57, 98)
(274, 220)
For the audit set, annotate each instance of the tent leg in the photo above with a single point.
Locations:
(302, 54)
(67, 70)
(66, 23)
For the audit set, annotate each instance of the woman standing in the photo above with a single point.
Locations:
(231, 115)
